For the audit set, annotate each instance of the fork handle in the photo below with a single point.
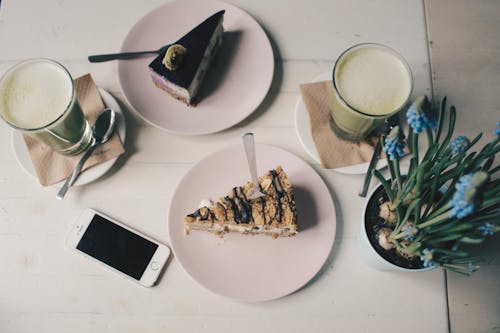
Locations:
(118, 56)
(249, 145)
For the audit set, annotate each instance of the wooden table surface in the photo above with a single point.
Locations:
(464, 53)
(48, 288)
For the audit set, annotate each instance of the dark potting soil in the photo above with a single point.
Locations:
(373, 223)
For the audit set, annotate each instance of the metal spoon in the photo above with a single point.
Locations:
(249, 145)
(125, 55)
(101, 132)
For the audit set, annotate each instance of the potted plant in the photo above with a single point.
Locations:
(448, 197)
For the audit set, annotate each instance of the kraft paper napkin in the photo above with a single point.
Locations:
(333, 151)
(52, 167)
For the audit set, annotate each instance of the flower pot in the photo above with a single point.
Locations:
(369, 249)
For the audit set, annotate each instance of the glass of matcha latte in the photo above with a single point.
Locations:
(371, 83)
(38, 97)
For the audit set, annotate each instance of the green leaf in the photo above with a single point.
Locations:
(470, 240)
(443, 239)
(385, 184)
(442, 113)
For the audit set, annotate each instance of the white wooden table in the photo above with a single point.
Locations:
(47, 288)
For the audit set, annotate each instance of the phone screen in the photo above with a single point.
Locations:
(117, 247)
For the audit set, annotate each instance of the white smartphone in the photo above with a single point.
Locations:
(119, 247)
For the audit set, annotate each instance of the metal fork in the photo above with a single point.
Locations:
(249, 145)
(125, 55)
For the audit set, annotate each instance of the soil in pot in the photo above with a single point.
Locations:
(373, 223)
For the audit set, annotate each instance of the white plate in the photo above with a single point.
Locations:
(237, 82)
(303, 129)
(245, 267)
(88, 175)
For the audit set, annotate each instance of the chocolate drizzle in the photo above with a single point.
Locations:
(241, 207)
(263, 204)
(223, 209)
(234, 208)
(279, 193)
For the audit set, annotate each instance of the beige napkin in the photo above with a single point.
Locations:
(333, 151)
(52, 167)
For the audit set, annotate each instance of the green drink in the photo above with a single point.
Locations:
(38, 98)
(371, 83)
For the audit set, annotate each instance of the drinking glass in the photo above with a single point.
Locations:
(38, 98)
(371, 82)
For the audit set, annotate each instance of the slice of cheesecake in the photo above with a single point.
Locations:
(180, 69)
(274, 214)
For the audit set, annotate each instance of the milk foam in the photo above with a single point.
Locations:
(373, 81)
(35, 94)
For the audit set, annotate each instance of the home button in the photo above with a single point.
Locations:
(154, 265)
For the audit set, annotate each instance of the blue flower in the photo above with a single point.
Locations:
(497, 130)
(472, 267)
(410, 231)
(487, 229)
(426, 257)
(467, 194)
(459, 145)
(420, 115)
(394, 144)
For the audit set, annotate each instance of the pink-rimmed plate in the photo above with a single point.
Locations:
(244, 267)
(235, 85)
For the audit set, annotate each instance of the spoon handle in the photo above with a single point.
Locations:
(76, 172)
(117, 56)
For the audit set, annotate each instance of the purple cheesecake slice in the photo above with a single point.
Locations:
(180, 69)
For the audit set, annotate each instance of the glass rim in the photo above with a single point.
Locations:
(379, 46)
(68, 106)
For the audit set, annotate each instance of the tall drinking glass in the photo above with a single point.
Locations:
(371, 83)
(38, 98)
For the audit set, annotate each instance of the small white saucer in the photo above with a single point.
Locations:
(303, 128)
(89, 175)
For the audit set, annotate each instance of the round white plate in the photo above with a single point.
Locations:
(88, 175)
(235, 85)
(303, 129)
(245, 267)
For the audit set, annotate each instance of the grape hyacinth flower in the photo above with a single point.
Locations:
(459, 145)
(410, 232)
(497, 130)
(472, 267)
(426, 257)
(420, 115)
(487, 229)
(466, 199)
(394, 144)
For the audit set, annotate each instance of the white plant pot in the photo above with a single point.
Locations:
(368, 253)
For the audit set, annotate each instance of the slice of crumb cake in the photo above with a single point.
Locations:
(273, 214)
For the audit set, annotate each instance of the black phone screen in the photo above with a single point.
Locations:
(117, 247)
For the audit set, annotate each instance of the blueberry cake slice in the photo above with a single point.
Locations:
(273, 214)
(180, 69)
